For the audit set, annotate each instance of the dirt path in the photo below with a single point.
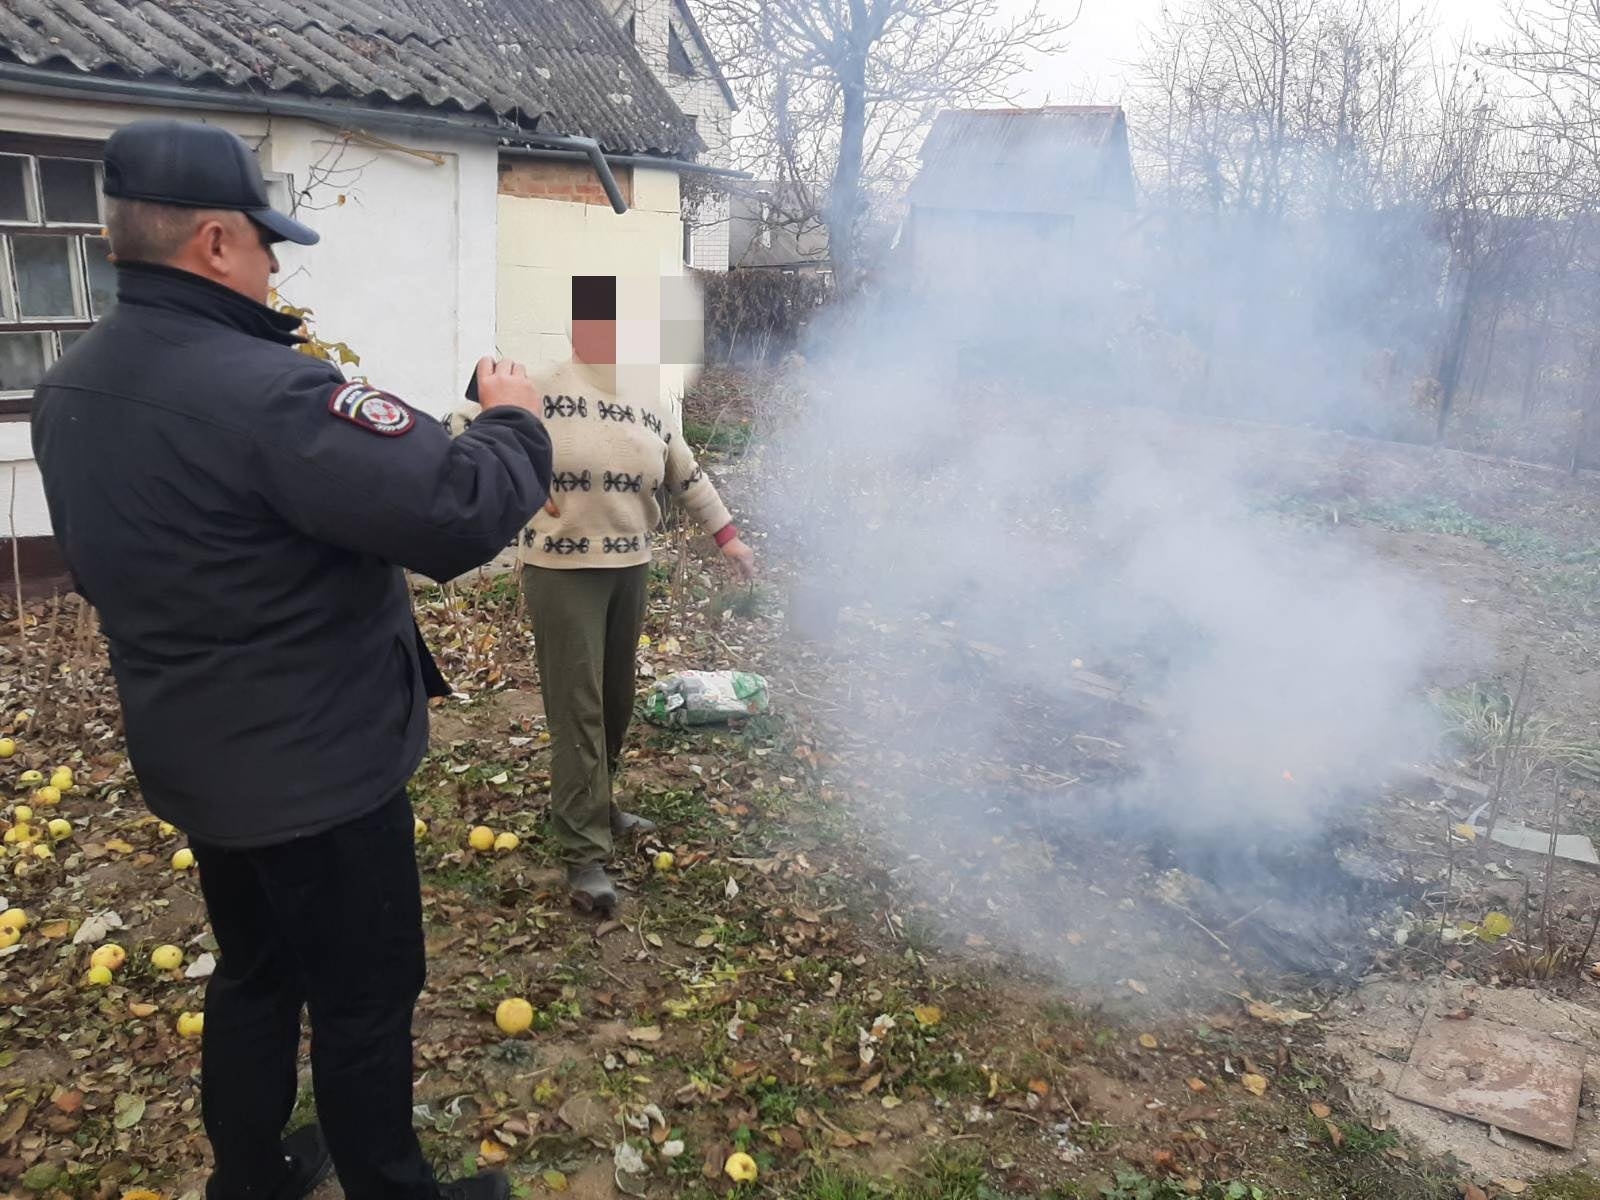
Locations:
(1011, 1013)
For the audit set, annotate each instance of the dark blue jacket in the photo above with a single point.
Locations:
(239, 515)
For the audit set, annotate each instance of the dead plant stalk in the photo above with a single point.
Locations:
(1507, 753)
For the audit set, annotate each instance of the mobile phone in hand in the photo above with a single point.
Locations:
(472, 387)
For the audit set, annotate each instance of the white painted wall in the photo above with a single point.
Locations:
(405, 273)
(544, 243)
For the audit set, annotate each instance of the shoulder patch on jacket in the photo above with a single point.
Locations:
(371, 409)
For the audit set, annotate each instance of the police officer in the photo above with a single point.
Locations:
(239, 514)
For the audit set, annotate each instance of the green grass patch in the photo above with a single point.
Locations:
(1432, 515)
(942, 1177)
(472, 878)
(305, 1109)
(1569, 1185)
(1131, 1185)
(1565, 574)
(1357, 1139)
(721, 437)
(1476, 717)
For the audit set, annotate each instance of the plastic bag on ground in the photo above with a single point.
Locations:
(706, 698)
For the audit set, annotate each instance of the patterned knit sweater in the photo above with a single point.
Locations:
(612, 453)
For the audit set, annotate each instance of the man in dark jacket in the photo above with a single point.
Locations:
(240, 516)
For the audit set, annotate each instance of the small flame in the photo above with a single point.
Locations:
(1288, 778)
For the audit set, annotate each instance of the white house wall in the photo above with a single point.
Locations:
(405, 273)
(545, 242)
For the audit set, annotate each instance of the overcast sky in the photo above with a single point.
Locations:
(1105, 39)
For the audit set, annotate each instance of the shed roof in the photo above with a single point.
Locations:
(551, 66)
(1044, 160)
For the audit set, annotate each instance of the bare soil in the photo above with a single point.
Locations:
(798, 985)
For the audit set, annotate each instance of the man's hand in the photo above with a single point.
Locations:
(742, 559)
(506, 383)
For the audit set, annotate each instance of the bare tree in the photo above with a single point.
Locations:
(838, 93)
(1554, 50)
(1279, 107)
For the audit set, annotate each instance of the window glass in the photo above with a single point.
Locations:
(44, 277)
(14, 188)
(102, 276)
(71, 193)
(23, 358)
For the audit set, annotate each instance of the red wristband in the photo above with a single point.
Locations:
(726, 534)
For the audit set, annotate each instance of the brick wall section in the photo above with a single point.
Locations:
(575, 183)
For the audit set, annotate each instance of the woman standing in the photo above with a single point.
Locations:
(585, 564)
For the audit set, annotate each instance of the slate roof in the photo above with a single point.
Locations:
(551, 66)
(1041, 160)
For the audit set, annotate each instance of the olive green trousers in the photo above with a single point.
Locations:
(586, 626)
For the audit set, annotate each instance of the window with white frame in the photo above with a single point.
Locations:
(55, 277)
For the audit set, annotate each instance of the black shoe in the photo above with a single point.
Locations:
(591, 889)
(485, 1185)
(306, 1159)
(310, 1165)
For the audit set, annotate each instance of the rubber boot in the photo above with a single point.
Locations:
(625, 825)
(591, 889)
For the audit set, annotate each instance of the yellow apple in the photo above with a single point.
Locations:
(166, 958)
(513, 1016)
(110, 956)
(741, 1168)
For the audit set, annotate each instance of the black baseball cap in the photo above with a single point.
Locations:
(195, 166)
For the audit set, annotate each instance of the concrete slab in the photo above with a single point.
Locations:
(1524, 1082)
(1374, 1029)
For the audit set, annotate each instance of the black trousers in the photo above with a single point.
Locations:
(332, 922)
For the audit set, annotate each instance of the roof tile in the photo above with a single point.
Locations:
(551, 66)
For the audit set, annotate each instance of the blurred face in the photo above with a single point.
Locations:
(636, 321)
(594, 341)
(231, 249)
(594, 319)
